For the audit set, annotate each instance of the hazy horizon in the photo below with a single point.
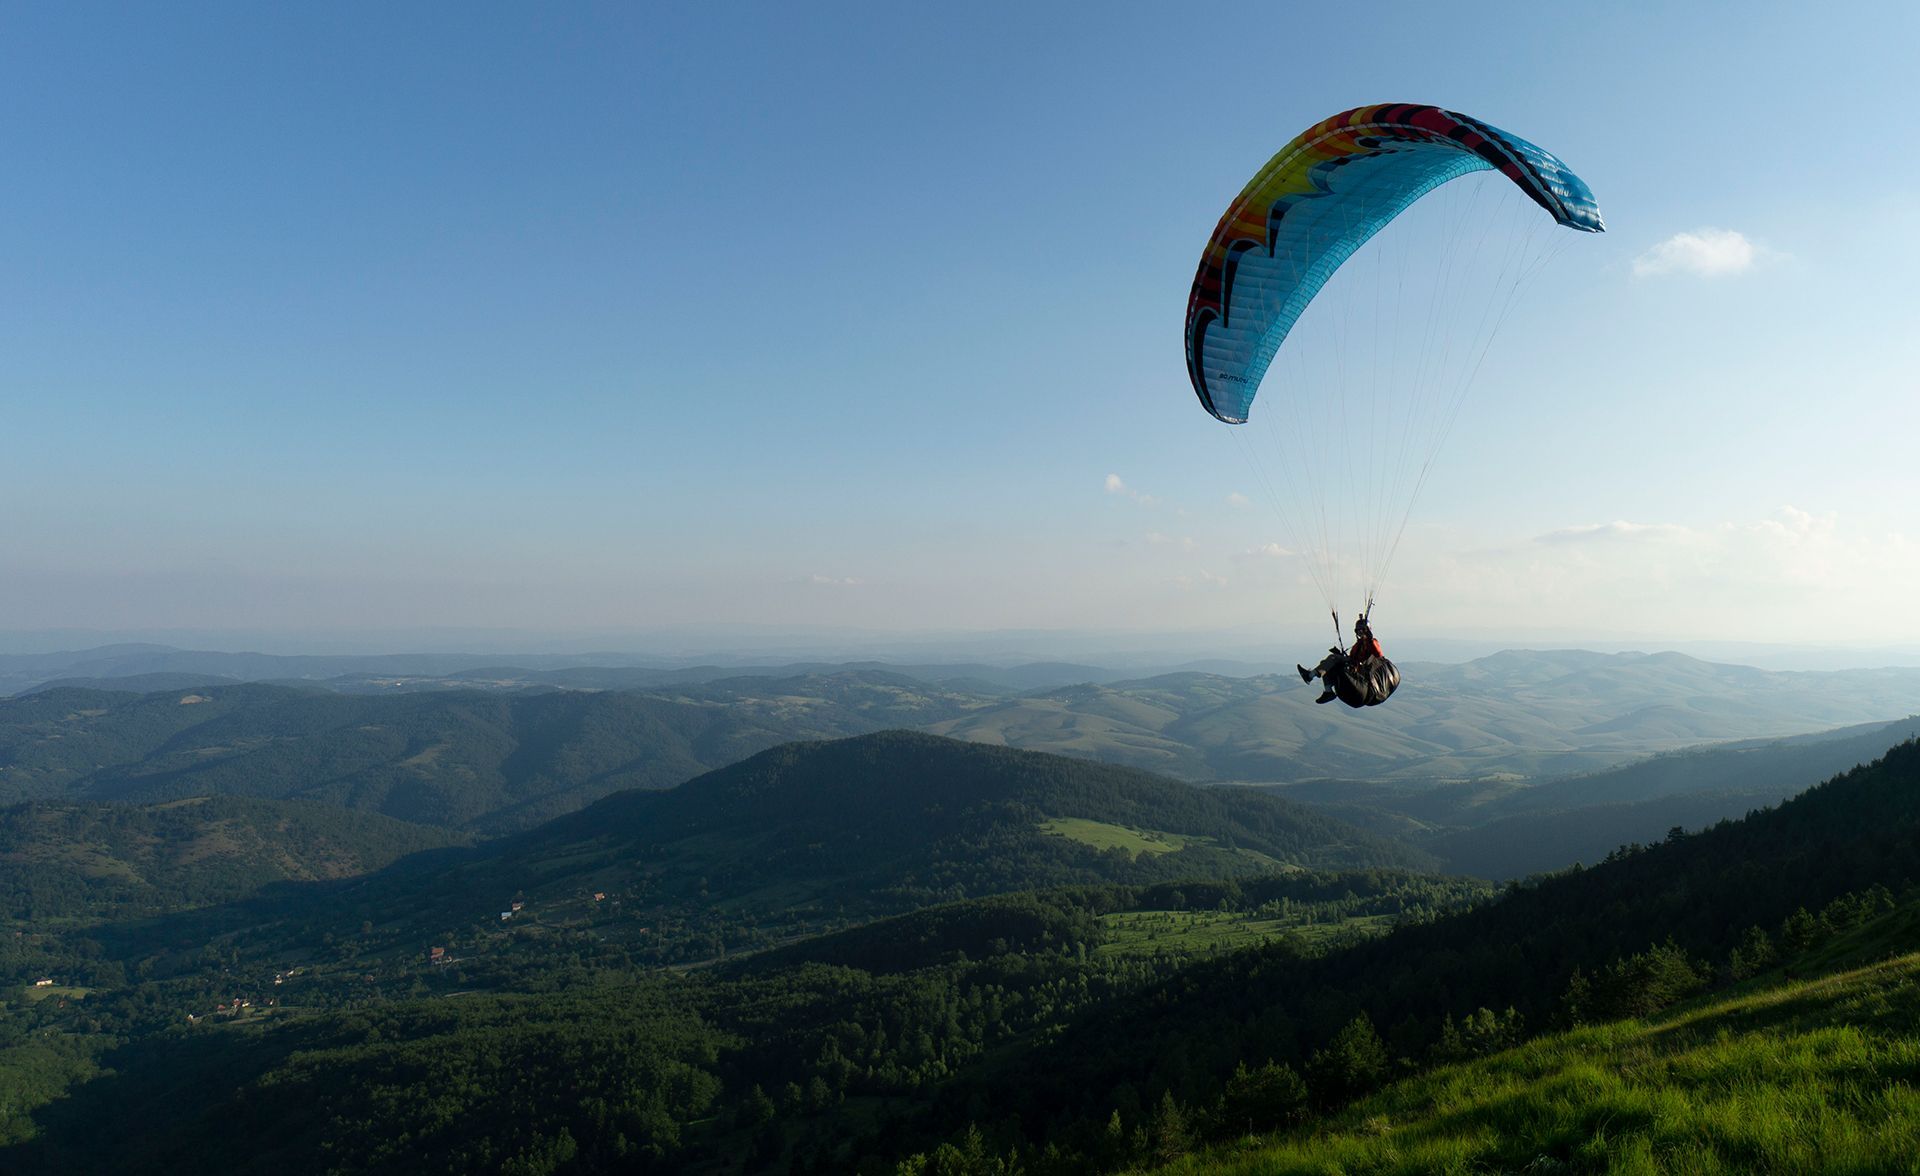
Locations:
(771, 645)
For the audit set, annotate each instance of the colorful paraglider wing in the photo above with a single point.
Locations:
(1322, 197)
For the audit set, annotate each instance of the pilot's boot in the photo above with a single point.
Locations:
(1306, 675)
(1329, 696)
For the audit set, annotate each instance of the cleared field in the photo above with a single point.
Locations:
(1103, 836)
(1201, 932)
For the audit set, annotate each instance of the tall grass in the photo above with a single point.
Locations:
(1816, 1076)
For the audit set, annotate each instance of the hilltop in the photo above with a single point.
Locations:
(811, 835)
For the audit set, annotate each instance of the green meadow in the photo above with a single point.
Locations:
(1200, 932)
(1808, 1076)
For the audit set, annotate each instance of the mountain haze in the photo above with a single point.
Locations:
(1529, 713)
(460, 759)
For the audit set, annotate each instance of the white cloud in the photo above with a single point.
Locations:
(1115, 485)
(1706, 253)
(1183, 541)
(832, 581)
(1619, 529)
(1792, 575)
(1201, 579)
(1266, 551)
(1238, 501)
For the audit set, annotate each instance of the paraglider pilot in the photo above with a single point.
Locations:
(1366, 647)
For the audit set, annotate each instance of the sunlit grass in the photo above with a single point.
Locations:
(1135, 842)
(1198, 932)
(1817, 1076)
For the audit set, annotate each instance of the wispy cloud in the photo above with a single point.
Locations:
(1788, 574)
(1266, 551)
(1160, 539)
(1115, 485)
(1705, 253)
(1201, 579)
(1238, 501)
(1617, 531)
(832, 581)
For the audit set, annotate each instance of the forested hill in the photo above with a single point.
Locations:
(810, 833)
(462, 759)
(1706, 893)
(904, 776)
(493, 1009)
(812, 836)
(1509, 829)
(507, 757)
(1526, 712)
(92, 861)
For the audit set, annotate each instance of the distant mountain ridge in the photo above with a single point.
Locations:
(1507, 828)
(461, 759)
(1534, 714)
(362, 673)
(502, 753)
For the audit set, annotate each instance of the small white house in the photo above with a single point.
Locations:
(43, 982)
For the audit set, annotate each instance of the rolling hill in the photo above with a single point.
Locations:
(797, 839)
(1510, 828)
(810, 834)
(1703, 894)
(65, 861)
(460, 759)
(510, 747)
(1525, 713)
(1027, 1027)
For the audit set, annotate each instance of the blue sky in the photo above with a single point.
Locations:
(375, 317)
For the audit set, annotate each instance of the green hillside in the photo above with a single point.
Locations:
(1706, 894)
(1511, 828)
(87, 862)
(811, 961)
(1809, 1076)
(500, 759)
(462, 759)
(799, 839)
(810, 834)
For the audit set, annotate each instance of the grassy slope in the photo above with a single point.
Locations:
(1805, 1076)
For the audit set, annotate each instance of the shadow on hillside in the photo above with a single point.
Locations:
(148, 1110)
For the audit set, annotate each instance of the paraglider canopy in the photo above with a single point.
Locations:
(1364, 391)
(1316, 202)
